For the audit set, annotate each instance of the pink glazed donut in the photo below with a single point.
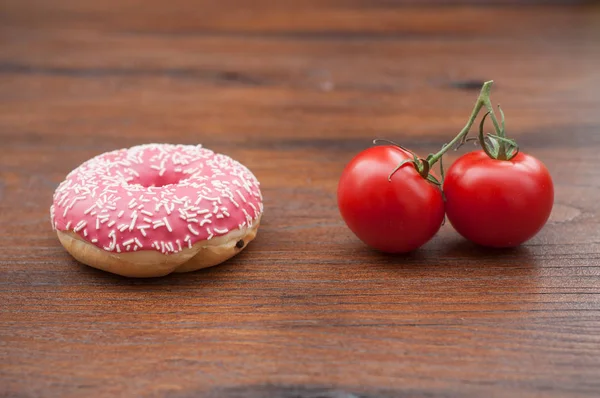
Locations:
(154, 209)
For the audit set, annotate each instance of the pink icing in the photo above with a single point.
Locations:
(156, 197)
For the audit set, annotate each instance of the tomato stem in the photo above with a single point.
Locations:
(483, 100)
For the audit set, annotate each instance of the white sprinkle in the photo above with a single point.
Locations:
(137, 242)
(68, 225)
(155, 167)
(220, 216)
(103, 220)
(210, 234)
(192, 230)
(178, 244)
(187, 237)
(80, 225)
(240, 194)
(89, 209)
(121, 212)
(75, 199)
(140, 207)
(135, 248)
(128, 248)
(146, 212)
(62, 199)
(95, 240)
(158, 224)
(247, 215)
(253, 207)
(162, 246)
(191, 220)
(205, 221)
(114, 239)
(170, 246)
(85, 232)
(97, 223)
(118, 248)
(146, 219)
(203, 211)
(189, 244)
(133, 220)
(122, 227)
(128, 242)
(221, 231)
(110, 224)
(142, 230)
(167, 224)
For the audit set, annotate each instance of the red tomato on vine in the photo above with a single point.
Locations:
(388, 202)
(498, 203)
(498, 196)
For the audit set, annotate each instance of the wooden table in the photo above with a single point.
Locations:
(294, 89)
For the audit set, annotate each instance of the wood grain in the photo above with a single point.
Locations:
(294, 90)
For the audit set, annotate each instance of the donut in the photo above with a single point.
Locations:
(153, 209)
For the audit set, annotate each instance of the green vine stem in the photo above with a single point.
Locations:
(482, 101)
(496, 146)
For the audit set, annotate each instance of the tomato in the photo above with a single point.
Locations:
(498, 203)
(397, 215)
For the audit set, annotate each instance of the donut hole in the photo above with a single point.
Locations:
(153, 178)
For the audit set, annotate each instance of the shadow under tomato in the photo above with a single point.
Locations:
(446, 254)
(369, 257)
(467, 251)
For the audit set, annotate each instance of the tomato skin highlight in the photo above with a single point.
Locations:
(498, 203)
(396, 216)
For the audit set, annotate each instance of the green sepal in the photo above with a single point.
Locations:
(502, 119)
(433, 180)
(400, 165)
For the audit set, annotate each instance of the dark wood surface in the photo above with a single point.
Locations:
(294, 89)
